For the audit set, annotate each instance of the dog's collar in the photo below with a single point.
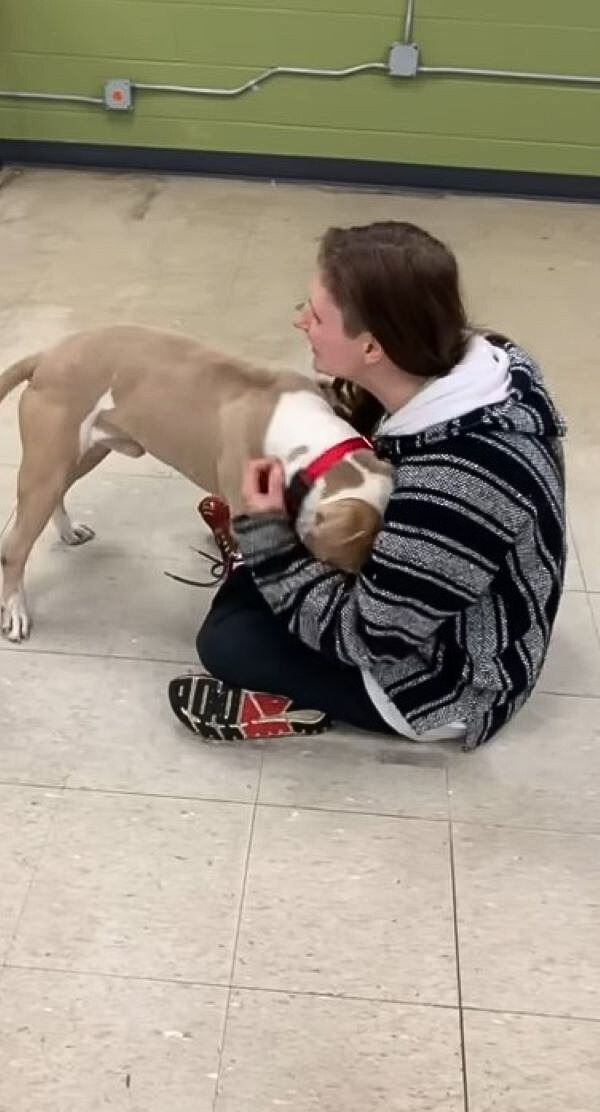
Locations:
(306, 477)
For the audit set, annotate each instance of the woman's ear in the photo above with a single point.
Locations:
(373, 351)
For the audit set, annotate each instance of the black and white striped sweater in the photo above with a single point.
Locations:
(453, 612)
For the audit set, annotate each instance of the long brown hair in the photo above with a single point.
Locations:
(401, 284)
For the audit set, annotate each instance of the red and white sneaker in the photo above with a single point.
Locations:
(221, 713)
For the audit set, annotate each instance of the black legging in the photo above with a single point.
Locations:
(243, 643)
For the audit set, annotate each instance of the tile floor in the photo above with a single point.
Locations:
(344, 924)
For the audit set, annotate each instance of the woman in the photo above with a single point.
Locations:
(444, 632)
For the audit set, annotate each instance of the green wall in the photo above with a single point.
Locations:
(74, 45)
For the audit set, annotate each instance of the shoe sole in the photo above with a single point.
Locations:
(220, 713)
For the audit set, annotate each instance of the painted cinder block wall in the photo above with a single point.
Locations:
(75, 45)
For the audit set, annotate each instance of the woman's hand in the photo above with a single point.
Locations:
(263, 486)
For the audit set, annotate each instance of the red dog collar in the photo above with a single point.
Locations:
(304, 479)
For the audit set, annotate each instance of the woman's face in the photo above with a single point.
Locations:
(334, 352)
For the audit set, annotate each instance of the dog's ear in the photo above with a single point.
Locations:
(326, 388)
(335, 394)
(343, 533)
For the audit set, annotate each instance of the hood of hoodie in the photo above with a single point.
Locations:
(496, 385)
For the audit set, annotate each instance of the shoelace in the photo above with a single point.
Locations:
(216, 514)
(219, 569)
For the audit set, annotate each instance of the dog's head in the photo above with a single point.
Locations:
(343, 533)
(344, 511)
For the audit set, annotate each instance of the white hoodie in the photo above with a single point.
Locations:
(481, 378)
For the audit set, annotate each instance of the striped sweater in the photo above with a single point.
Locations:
(453, 611)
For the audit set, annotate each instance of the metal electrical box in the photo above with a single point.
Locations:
(118, 94)
(403, 60)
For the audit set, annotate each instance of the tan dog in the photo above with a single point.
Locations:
(134, 390)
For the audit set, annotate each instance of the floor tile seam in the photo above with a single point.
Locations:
(107, 473)
(474, 1009)
(594, 617)
(74, 789)
(524, 1013)
(33, 876)
(456, 931)
(80, 654)
(575, 544)
(233, 986)
(238, 928)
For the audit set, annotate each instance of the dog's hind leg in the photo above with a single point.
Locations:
(103, 438)
(74, 533)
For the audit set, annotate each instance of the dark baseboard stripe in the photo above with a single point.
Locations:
(332, 171)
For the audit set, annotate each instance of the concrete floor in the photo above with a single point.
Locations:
(336, 924)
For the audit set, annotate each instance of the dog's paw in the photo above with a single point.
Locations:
(14, 618)
(71, 532)
(75, 533)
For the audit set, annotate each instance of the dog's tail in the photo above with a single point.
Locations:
(18, 373)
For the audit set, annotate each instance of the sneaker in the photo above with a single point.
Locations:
(220, 713)
(215, 512)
